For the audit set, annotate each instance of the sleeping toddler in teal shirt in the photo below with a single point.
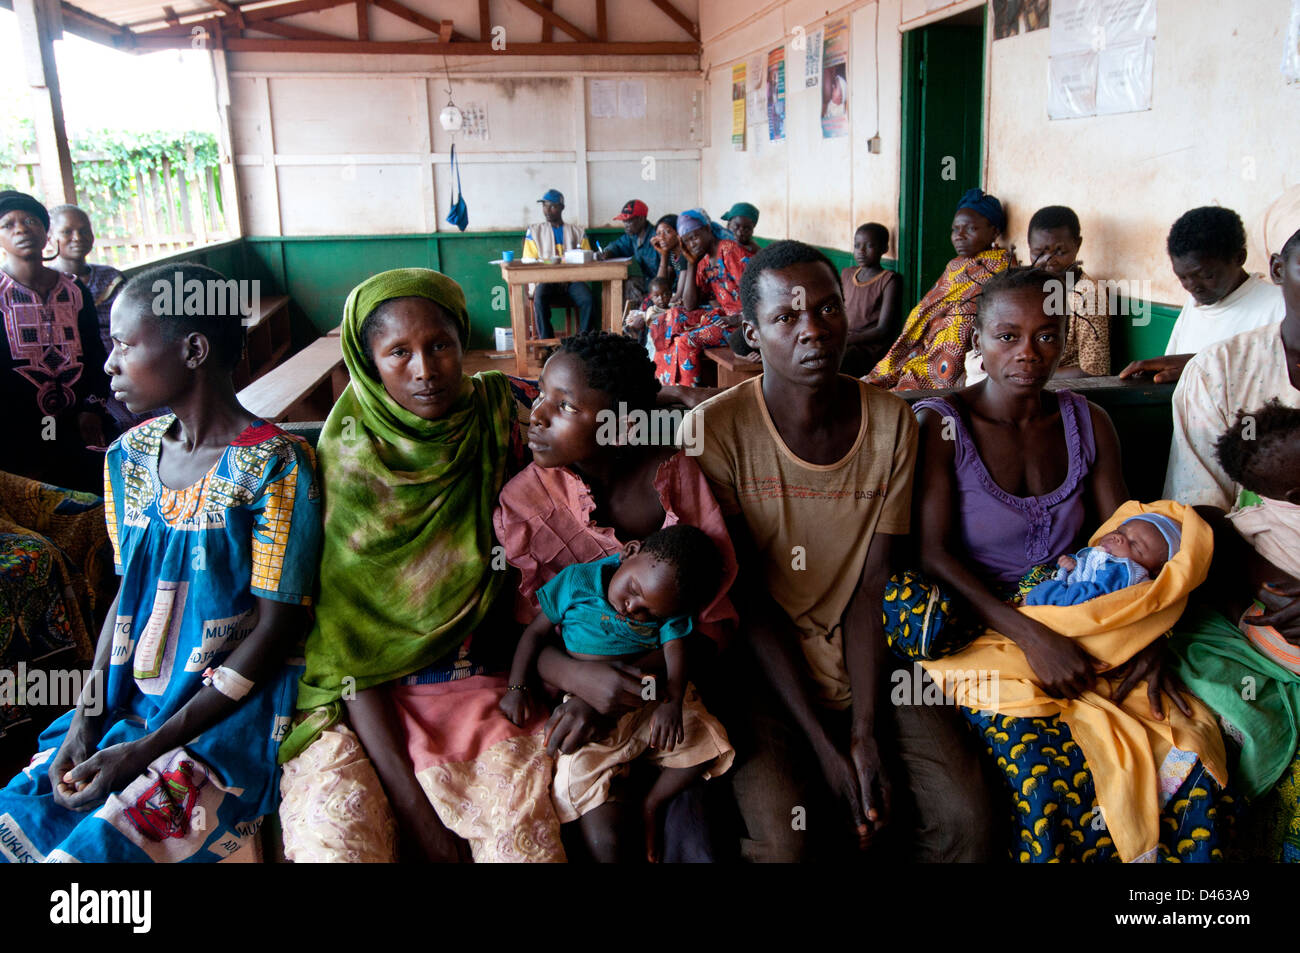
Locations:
(621, 608)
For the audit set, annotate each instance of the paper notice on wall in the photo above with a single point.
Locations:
(1076, 27)
(1291, 53)
(631, 99)
(1124, 77)
(756, 92)
(604, 99)
(1127, 21)
(475, 122)
(835, 80)
(776, 94)
(812, 61)
(1072, 86)
(1110, 43)
(738, 107)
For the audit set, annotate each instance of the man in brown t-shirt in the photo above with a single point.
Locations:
(813, 470)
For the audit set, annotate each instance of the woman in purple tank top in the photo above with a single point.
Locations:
(1009, 476)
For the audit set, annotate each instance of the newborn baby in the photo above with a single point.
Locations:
(1137, 551)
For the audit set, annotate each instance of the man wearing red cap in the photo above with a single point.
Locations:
(634, 243)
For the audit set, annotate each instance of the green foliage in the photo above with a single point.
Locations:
(107, 166)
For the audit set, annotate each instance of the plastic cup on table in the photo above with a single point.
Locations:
(507, 256)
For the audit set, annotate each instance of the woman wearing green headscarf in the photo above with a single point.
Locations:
(412, 459)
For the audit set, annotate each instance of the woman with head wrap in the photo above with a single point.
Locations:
(930, 354)
(710, 301)
(52, 381)
(412, 458)
(742, 218)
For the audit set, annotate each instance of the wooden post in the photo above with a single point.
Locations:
(39, 25)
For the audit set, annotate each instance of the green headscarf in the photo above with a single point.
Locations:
(405, 567)
(742, 208)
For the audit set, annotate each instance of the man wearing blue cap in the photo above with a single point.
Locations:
(547, 240)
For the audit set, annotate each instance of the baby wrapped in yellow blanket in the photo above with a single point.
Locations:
(1123, 744)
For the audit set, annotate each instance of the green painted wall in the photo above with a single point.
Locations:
(318, 272)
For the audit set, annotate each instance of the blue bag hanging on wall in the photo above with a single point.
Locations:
(459, 214)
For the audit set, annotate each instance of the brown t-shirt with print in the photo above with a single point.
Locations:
(811, 523)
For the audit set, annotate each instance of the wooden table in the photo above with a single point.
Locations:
(732, 369)
(518, 275)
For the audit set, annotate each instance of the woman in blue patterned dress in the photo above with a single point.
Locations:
(214, 515)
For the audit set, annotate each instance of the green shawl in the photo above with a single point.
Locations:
(1251, 692)
(406, 562)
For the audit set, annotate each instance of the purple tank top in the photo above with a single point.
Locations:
(1006, 535)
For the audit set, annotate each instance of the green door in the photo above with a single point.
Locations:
(943, 98)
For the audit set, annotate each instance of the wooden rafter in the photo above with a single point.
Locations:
(288, 30)
(681, 19)
(235, 16)
(431, 47)
(419, 19)
(292, 9)
(555, 19)
(229, 25)
(548, 28)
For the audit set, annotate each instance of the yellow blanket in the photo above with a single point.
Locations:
(1123, 744)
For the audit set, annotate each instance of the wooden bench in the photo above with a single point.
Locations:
(732, 369)
(268, 339)
(303, 387)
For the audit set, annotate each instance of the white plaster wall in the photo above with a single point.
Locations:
(806, 187)
(332, 144)
(1222, 130)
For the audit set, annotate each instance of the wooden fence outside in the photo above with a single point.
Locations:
(167, 212)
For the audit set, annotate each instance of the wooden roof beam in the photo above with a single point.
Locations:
(553, 18)
(681, 19)
(363, 21)
(332, 44)
(276, 11)
(235, 16)
(419, 19)
(287, 30)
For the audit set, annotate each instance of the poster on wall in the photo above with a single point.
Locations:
(776, 94)
(812, 60)
(1124, 77)
(604, 98)
(1291, 53)
(756, 95)
(475, 123)
(835, 80)
(631, 99)
(1019, 16)
(738, 107)
(1102, 57)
